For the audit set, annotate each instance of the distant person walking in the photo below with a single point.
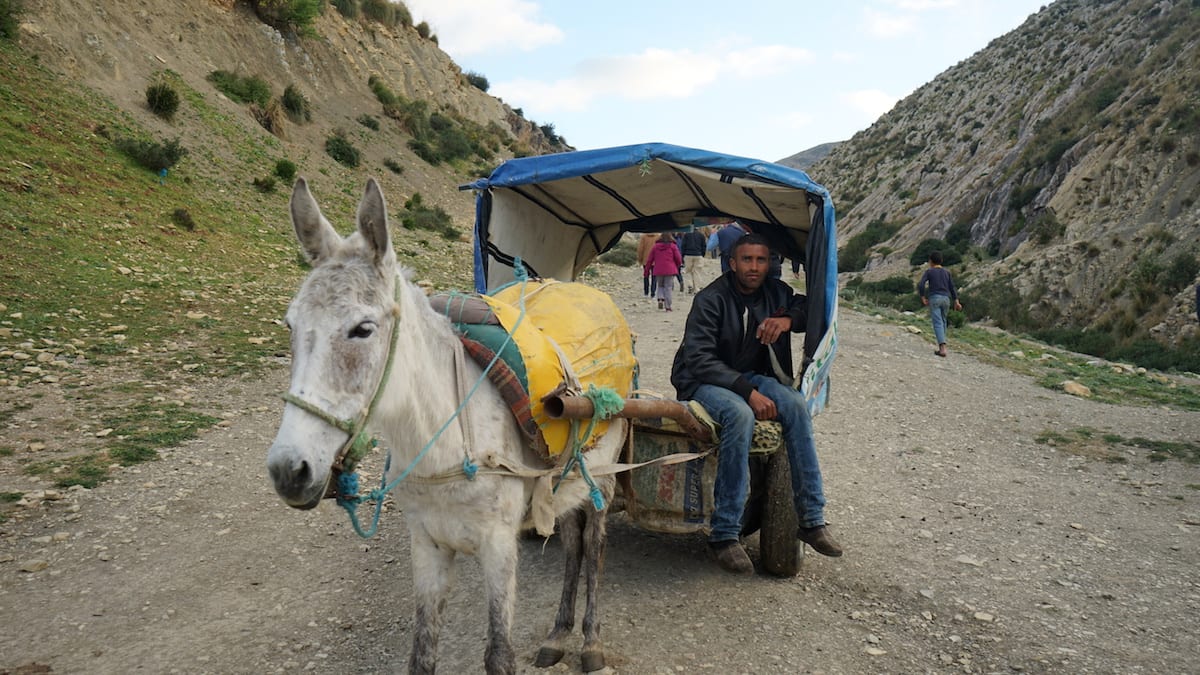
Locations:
(723, 240)
(936, 289)
(664, 263)
(693, 245)
(645, 243)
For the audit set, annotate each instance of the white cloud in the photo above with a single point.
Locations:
(885, 25)
(923, 5)
(652, 74)
(870, 102)
(465, 27)
(767, 60)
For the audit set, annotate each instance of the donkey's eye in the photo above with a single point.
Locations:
(363, 330)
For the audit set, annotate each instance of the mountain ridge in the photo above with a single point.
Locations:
(1065, 152)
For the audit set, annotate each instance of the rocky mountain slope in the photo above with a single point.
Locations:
(1064, 158)
(118, 48)
(804, 159)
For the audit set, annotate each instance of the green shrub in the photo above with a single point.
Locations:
(241, 89)
(478, 81)
(424, 150)
(403, 16)
(390, 14)
(423, 30)
(959, 235)
(920, 255)
(296, 15)
(453, 143)
(342, 150)
(286, 170)
(853, 256)
(998, 300)
(438, 136)
(183, 218)
(896, 291)
(368, 121)
(1182, 269)
(1023, 196)
(624, 254)
(1149, 353)
(382, 93)
(417, 216)
(347, 8)
(1046, 228)
(265, 185)
(393, 166)
(1095, 342)
(150, 154)
(296, 104)
(1058, 148)
(162, 99)
(10, 18)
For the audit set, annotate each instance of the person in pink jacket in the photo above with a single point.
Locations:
(664, 263)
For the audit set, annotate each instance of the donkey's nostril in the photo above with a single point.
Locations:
(303, 473)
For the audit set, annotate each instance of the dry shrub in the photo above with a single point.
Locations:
(270, 118)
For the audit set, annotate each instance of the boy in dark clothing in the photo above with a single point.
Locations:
(692, 246)
(936, 289)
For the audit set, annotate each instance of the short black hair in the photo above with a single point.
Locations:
(749, 239)
(935, 257)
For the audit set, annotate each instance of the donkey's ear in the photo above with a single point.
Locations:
(317, 237)
(372, 220)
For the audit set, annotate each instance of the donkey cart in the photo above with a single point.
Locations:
(552, 215)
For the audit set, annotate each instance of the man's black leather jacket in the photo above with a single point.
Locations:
(717, 347)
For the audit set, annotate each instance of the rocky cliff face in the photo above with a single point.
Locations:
(1067, 152)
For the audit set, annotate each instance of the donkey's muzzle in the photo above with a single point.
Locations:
(294, 478)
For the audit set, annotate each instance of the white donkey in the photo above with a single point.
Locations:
(353, 308)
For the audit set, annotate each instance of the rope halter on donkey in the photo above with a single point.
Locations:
(359, 442)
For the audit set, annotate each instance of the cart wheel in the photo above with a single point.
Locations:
(782, 553)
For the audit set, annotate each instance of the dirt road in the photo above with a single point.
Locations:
(970, 548)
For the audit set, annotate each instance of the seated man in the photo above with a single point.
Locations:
(724, 363)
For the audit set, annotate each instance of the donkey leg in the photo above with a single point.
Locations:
(498, 558)
(594, 540)
(570, 527)
(433, 572)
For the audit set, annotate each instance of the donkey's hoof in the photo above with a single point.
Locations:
(548, 656)
(592, 660)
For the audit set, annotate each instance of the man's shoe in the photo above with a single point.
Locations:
(820, 540)
(731, 556)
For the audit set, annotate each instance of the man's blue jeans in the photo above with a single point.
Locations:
(733, 463)
(939, 307)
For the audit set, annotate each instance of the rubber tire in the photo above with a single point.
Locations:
(782, 553)
(753, 512)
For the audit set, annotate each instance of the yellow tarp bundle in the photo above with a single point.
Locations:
(589, 331)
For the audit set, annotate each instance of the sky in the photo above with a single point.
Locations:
(759, 78)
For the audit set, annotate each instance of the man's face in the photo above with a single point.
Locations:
(750, 264)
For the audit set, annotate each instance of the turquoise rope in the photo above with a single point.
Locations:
(350, 499)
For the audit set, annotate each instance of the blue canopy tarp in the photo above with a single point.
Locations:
(558, 212)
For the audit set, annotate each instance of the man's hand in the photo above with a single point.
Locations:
(763, 407)
(770, 329)
(925, 301)
(958, 305)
